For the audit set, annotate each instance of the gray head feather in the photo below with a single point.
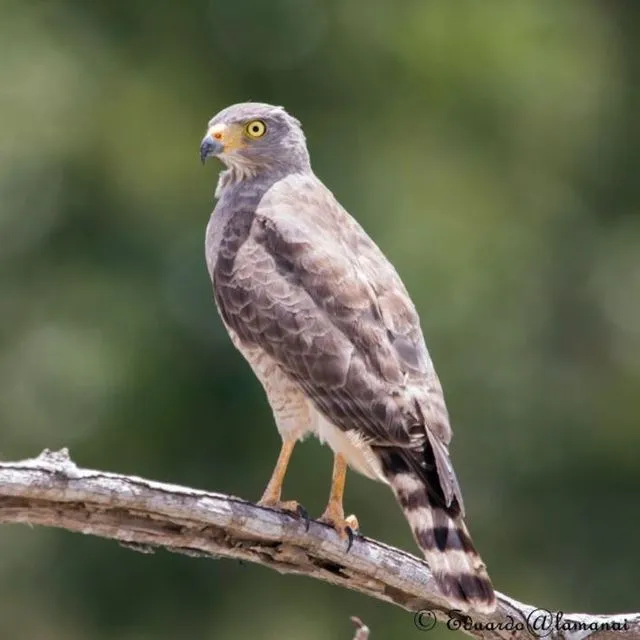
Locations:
(282, 148)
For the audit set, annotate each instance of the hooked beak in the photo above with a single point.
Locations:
(210, 147)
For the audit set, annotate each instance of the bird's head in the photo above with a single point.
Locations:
(253, 137)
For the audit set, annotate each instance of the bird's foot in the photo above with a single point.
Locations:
(347, 528)
(292, 507)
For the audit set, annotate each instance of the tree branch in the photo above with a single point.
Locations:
(52, 491)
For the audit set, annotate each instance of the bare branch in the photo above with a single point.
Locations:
(52, 491)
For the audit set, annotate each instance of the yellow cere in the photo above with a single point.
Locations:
(217, 131)
(229, 135)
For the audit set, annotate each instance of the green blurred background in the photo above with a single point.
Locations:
(492, 149)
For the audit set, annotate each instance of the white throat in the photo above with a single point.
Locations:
(236, 172)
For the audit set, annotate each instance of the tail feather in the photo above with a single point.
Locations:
(442, 535)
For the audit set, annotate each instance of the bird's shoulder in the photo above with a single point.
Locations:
(303, 210)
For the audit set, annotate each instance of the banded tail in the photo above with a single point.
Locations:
(441, 534)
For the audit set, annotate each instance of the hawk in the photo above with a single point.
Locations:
(330, 331)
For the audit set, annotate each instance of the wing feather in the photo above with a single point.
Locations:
(300, 278)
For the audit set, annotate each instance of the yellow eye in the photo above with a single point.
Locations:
(256, 129)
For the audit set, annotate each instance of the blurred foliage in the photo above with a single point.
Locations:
(490, 148)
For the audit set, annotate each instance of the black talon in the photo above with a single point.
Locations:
(304, 515)
(351, 534)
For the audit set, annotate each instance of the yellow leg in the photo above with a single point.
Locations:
(334, 513)
(271, 495)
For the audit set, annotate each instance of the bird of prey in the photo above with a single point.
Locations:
(330, 331)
